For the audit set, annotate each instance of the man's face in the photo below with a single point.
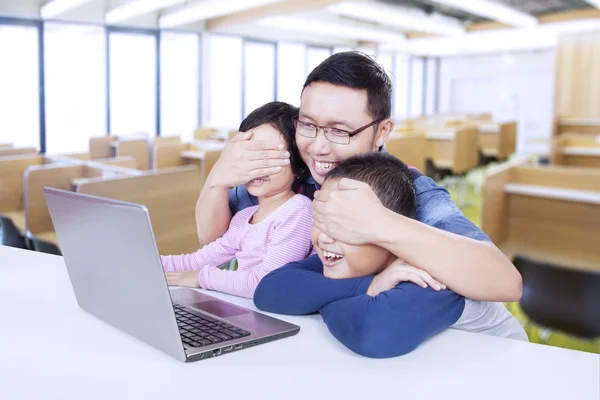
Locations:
(342, 260)
(338, 107)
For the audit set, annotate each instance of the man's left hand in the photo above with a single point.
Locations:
(351, 214)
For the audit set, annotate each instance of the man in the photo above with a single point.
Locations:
(345, 110)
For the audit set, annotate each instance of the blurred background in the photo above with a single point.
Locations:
(497, 100)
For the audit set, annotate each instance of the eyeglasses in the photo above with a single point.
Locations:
(338, 136)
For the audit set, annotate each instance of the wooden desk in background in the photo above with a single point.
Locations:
(578, 125)
(577, 150)
(548, 213)
(497, 140)
(455, 149)
(410, 148)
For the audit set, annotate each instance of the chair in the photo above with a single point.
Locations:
(10, 234)
(43, 246)
(450, 181)
(561, 298)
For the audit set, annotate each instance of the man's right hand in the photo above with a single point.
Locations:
(243, 159)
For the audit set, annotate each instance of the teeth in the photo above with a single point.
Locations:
(258, 180)
(329, 254)
(324, 165)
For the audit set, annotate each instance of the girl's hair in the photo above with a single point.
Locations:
(280, 116)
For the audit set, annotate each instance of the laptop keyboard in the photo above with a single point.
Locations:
(201, 331)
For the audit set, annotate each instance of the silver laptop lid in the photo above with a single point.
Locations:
(114, 266)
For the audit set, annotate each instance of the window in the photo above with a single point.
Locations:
(386, 62)
(19, 86)
(401, 86)
(341, 49)
(259, 75)
(225, 72)
(179, 84)
(291, 73)
(315, 56)
(431, 86)
(75, 68)
(132, 83)
(416, 87)
(368, 50)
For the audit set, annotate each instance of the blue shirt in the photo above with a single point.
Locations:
(390, 324)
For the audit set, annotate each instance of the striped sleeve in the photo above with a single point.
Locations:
(213, 254)
(289, 241)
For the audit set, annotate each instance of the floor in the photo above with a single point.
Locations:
(472, 210)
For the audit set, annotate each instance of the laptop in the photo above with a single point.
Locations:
(116, 273)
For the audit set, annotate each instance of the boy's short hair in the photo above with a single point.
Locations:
(358, 71)
(386, 175)
(280, 115)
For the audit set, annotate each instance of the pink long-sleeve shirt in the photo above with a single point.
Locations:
(282, 237)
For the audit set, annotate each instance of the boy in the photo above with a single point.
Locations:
(376, 316)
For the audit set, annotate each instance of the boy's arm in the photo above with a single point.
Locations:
(290, 241)
(300, 288)
(394, 322)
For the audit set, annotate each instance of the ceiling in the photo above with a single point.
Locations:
(418, 26)
(533, 7)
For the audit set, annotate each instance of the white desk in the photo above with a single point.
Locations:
(581, 196)
(50, 349)
(440, 135)
(582, 151)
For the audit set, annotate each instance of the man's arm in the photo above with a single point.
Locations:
(212, 211)
(394, 322)
(457, 253)
(472, 268)
(299, 288)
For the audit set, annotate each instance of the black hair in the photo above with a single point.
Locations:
(280, 115)
(386, 175)
(358, 71)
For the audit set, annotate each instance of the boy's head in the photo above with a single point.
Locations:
(347, 91)
(389, 178)
(273, 122)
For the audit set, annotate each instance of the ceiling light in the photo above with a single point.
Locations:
(332, 28)
(595, 3)
(57, 7)
(400, 17)
(135, 8)
(206, 9)
(493, 10)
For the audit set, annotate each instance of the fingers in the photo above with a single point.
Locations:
(322, 195)
(263, 145)
(416, 279)
(269, 155)
(262, 172)
(350, 184)
(435, 285)
(267, 163)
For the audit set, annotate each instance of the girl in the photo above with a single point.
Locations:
(264, 237)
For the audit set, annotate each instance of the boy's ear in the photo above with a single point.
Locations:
(386, 127)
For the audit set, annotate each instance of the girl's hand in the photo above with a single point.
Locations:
(398, 272)
(185, 279)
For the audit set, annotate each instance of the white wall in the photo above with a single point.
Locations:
(513, 86)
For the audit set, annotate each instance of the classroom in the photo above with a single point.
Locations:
(439, 154)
